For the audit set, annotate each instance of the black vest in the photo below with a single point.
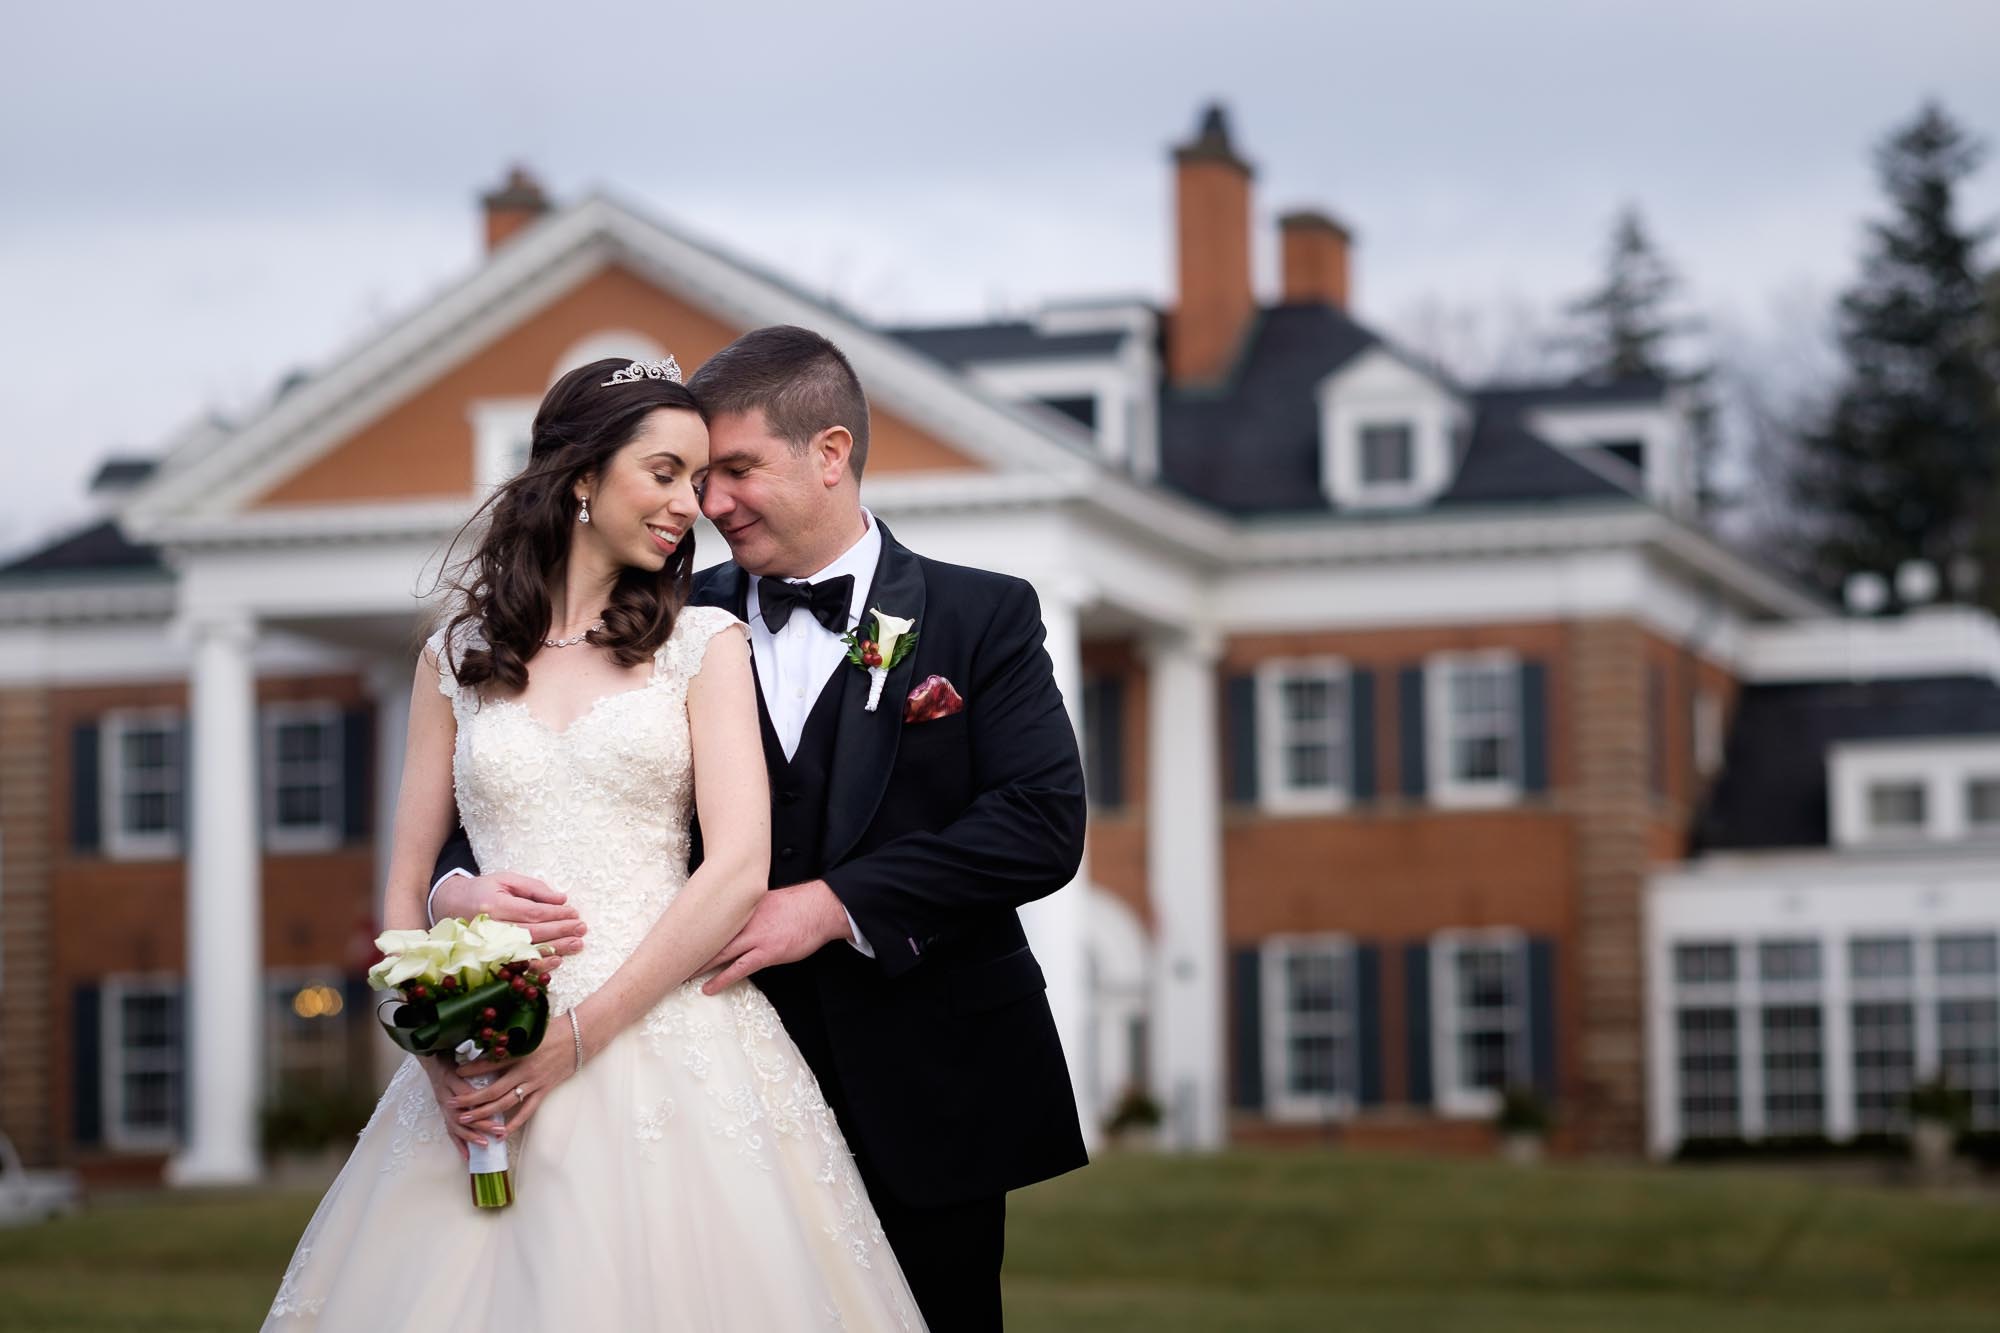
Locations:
(799, 786)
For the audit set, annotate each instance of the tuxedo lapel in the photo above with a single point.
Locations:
(725, 586)
(866, 748)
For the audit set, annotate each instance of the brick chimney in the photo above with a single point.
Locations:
(1215, 303)
(1316, 250)
(512, 208)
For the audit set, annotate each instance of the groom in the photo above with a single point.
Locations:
(902, 839)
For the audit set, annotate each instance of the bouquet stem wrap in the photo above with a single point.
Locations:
(492, 1176)
(467, 992)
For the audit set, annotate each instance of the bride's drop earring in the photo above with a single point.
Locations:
(583, 510)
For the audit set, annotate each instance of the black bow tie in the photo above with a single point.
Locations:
(828, 601)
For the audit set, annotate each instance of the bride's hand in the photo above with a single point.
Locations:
(445, 1085)
(534, 1074)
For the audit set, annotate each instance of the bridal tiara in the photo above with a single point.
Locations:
(668, 370)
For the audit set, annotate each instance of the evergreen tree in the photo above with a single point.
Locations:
(1626, 329)
(1904, 462)
(1622, 329)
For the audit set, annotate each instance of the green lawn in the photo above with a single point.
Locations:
(1248, 1241)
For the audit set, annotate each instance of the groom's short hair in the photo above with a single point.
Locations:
(797, 378)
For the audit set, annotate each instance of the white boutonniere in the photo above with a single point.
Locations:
(878, 652)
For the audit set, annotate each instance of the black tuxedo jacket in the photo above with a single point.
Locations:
(940, 1054)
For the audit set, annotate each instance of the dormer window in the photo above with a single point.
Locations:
(1982, 804)
(1902, 792)
(1390, 433)
(1388, 455)
(1896, 808)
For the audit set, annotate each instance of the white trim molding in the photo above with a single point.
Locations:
(276, 769)
(1941, 771)
(1443, 719)
(168, 780)
(1455, 1094)
(1278, 732)
(1279, 1024)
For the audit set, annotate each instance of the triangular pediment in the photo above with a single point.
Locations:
(397, 420)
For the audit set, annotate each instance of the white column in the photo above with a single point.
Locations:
(389, 686)
(1057, 925)
(1184, 880)
(225, 949)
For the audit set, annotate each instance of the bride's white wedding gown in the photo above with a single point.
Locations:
(691, 1177)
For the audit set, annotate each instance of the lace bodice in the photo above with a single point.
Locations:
(599, 810)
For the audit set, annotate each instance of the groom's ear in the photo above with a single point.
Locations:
(831, 449)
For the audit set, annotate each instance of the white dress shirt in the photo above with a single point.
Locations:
(794, 664)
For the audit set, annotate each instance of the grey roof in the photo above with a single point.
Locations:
(1574, 393)
(1772, 792)
(120, 473)
(1506, 463)
(100, 548)
(1253, 445)
(960, 345)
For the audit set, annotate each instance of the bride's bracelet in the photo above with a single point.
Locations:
(577, 1033)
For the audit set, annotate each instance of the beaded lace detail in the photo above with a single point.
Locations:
(601, 810)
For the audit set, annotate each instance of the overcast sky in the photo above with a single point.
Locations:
(196, 198)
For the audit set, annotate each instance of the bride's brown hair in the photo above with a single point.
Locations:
(503, 587)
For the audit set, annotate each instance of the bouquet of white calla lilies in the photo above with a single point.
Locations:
(467, 992)
(470, 951)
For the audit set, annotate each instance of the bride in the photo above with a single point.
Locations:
(676, 1165)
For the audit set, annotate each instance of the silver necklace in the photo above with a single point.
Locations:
(594, 625)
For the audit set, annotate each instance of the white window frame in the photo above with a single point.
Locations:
(1275, 792)
(1975, 828)
(1730, 995)
(1280, 1102)
(330, 832)
(1454, 1097)
(1446, 788)
(1379, 388)
(113, 993)
(502, 434)
(1945, 767)
(119, 842)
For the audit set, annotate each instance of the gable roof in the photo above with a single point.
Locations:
(1773, 788)
(207, 479)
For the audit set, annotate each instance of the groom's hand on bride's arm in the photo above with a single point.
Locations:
(521, 899)
(789, 924)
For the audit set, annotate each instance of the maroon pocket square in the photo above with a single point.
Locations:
(933, 699)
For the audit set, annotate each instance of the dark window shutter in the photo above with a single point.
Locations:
(86, 1065)
(86, 821)
(1104, 742)
(1542, 1014)
(357, 766)
(1534, 726)
(1656, 729)
(184, 756)
(1242, 709)
(1361, 735)
(1417, 1020)
(1410, 728)
(1368, 1023)
(1247, 999)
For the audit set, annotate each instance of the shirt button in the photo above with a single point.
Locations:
(787, 853)
(798, 694)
